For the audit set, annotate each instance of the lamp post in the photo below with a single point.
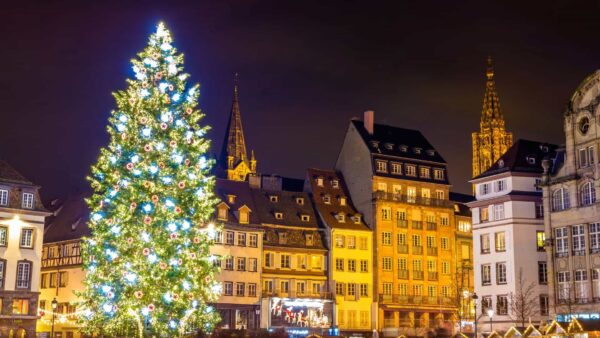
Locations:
(54, 306)
(490, 313)
(474, 298)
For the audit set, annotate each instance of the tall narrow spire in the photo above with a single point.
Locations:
(492, 139)
(234, 155)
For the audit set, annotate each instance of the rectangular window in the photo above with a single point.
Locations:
(364, 265)
(445, 243)
(20, 306)
(401, 238)
(240, 289)
(3, 197)
(403, 289)
(417, 289)
(544, 305)
(3, 236)
(241, 239)
(500, 241)
(540, 238)
(581, 285)
(363, 243)
(542, 273)
(364, 290)
(444, 220)
(316, 288)
(438, 174)
(386, 238)
(446, 267)
(486, 303)
(251, 289)
(2, 273)
(285, 286)
(498, 212)
(485, 243)
(27, 200)
(424, 172)
(269, 260)
(286, 261)
(500, 185)
(387, 289)
(381, 166)
(562, 241)
(486, 274)
(229, 238)
(252, 264)
(432, 291)
(351, 242)
(241, 264)
(228, 288)
(539, 210)
(402, 264)
(23, 275)
(396, 168)
(500, 273)
(502, 305)
(351, 289)
(339, 241)
(300, 288)
(229, 263)
(340, 288)
(431, 242)
(386, 214)
(594, 238)
(381, 186)
(578, 240)
(253, 240)
(564, 289)
(417, 265)
(27, 238)
(411, 194)
(352, 265)
(484, 214)
(339, 264)
(416, 240)
(411, 170)
(439, 194)
(484, 189)
(386, 263)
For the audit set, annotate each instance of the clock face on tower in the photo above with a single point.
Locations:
(584, 125)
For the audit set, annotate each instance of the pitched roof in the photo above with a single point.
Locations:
(460, 203)
(287, 204)
(389, 140)
(328, 211)
(523, 156)
(68, 220)
(9, 174)
(243, 196)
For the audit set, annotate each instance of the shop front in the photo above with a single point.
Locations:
(300, 317)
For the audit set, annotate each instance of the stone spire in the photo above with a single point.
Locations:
(492, 140)
(234, 153)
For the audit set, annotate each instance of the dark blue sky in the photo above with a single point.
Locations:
(305, 69)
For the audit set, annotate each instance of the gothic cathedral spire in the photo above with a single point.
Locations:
(234, 155)
(492, 140)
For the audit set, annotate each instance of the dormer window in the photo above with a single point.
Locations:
(279, 215)
(244, 214)
(335, 184)
(299, 200)
(417, 150)
(222, 210)
(438, 174)
(27, 200)
(396, 168)
(305, 218)
(530, 159)
(340, 217)
(389, 146)
(320, 181)
(342, 200)
(309, 239)
(501, 163)
(375, 144)
(381, 166)
(231, 199)
(274, 198)
(403, 148)
(357, 218)
(327, 199)
(544, 148)
(282, 237)
(431, 152)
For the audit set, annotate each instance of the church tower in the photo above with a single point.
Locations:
(492, 140)
(234, 156)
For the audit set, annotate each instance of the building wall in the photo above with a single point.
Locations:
(352, 312)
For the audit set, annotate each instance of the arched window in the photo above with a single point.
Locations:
(560, 200)
(587, 193)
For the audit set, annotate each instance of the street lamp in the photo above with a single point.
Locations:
(474, 298)
(490, 313)
(54, 306)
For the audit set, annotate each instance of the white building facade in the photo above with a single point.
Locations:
(508, 239)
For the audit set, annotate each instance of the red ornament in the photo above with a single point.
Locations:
(177, 210)
(193, 255)
(187, 161)
(42, 313)
(190, 296)
(163, 265)
(173, 236)
(146, 251)
(154, 198)
(207, 279)
(180, 261)
(129, 166)
(181, 185)
(171, 87)
(163, 126)
(196, 240)
(110, 294)
(133, 205)
(132, 101)
(173, 143)
(188, 110)
(159, 75)
(144, 84)
(123, 136)
(151, 307)
(129, 240)
(138, 294)
(143, 120)
(147, 219)
(161, 165)
(147, 147)
(175, 296)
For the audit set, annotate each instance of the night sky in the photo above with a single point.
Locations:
(305, 70)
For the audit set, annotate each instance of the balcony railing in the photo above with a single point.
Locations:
(416, 300)
(432, 251)
(418, 275)
(402, 274)
(417, 250)
(579, 252)
(417, 225)
(431, 226)
(402, 223)
(434, 202)
(402, 248)
(432, 275)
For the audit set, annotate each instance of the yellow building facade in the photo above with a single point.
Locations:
(350, 259)
(399, 182)
(492, 140)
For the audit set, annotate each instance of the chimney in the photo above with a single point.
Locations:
(368, 121)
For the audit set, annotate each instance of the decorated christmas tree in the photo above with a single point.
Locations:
(147, 262)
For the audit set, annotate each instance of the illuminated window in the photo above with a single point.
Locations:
(339, 264)
(335, 184)
(342, 201)
(445, 243)
(319, 181)
(327, 199)
(386, 214)
(540, 240)
(396, 168)
(386, 263)
(381, 166)
(222, 213)
(231, 199)
(228, 288)
(411, 170)
(23, 275)
(485, 243)
(241, 239)
(382, 186)
(27, 200)
(424, 172)
(339, 241)
(286, 261)
(351, 242)
(438, 174)
(244, 217)
(464, 226)
(282, 237)
(253, 240)
(309, 239)
(500, 241)
(252, 289)
(20, 306)
(445, 267)
(387, 288)
(484, 214)
(278, 215)
(386, 238)
(305, 218)
(3, 236)
(299, 200)
(274, 198)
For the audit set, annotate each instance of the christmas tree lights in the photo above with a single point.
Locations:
(147, 262)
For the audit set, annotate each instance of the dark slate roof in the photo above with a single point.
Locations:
(460, 202)
(9, 174)
(68, 220)
(395, 137)
(286, 204)
(516, 158)
(243, 196)
(328, 211)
